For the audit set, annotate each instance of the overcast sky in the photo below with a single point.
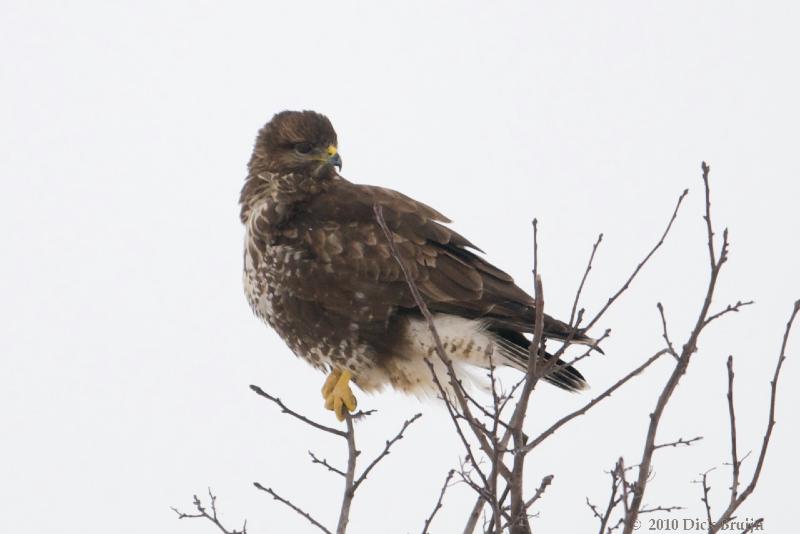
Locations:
(126, 344)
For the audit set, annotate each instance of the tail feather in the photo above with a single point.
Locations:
(553, 329)
(515, 348)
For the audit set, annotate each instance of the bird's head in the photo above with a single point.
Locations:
(298, 142)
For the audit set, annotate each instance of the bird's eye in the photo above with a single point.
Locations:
(303, 148)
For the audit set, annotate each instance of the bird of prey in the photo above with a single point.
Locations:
(319, 270)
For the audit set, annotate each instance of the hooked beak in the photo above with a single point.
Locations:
(334, 159)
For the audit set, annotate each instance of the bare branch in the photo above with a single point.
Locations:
(583, 281)
(546, 481)
(607, 393)
(535, 224)
(351, 484)
(681, 365)
(293, 507)
(595, 511)
(202, 512)
(641, 264)
(664, 332)
(350, 473)
(323, 462)
(454, 416)
(680, 441)
(704, 498)
(438, 506)
(621, 469)
(773, 395)
(735, 308)
(661, 509)
(735, 461)
(296, 415)
(712, 257)
(736, 502)
(472, 518)
(385, 451)
(519, 520)
(617, 480)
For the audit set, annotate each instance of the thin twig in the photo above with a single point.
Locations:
(296, 415)
(625, 487)
(385, 451)
(455, 418)
(735, 462)
(712, 257)
(679, 441)
(734, 504)
(202, 512)
(664, 332)
(661, 509)
(546, 481)
(595, 511)
(641, 264)
(617, 478)
(607, 393)
(323, 462)
(704, 498)
(293, 507)
(735, 308)
(438, 506)
(583, 281)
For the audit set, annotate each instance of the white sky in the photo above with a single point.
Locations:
(127, 346)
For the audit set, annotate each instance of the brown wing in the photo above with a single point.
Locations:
(349, 267)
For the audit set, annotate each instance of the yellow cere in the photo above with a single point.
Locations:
(331, 150)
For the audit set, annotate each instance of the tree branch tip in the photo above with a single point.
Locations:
(362, 414)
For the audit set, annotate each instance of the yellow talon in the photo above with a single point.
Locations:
(337, 393)
(330, 382)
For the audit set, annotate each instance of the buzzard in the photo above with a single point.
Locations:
(318, 269)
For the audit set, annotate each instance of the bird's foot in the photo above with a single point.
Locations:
(330, 382)
(337, 393)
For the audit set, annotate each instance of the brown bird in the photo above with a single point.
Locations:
(318, 269)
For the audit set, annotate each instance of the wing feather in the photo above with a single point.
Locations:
(349, 252)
